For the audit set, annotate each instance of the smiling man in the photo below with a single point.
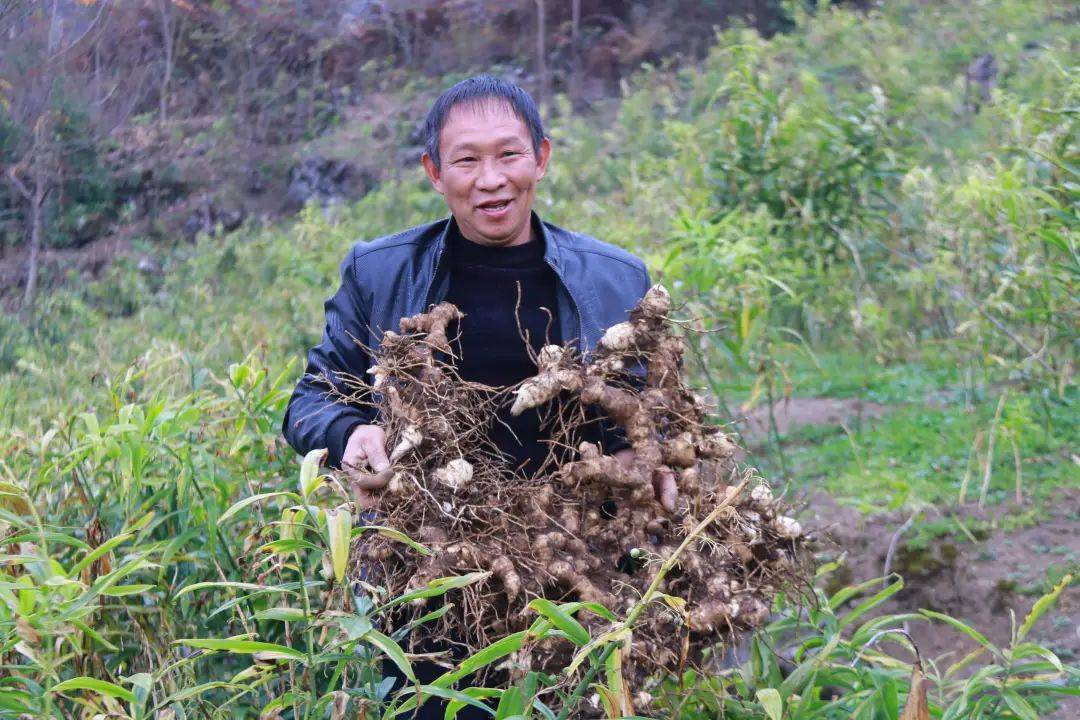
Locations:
(494, 258)
(509, 272)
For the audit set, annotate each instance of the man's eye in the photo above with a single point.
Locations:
(511, 153)
(465, 160)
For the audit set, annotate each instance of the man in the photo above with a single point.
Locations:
(485, 153)
(506, 270)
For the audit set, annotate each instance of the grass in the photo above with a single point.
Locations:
(919, 454)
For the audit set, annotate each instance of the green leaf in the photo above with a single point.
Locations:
(495, 651)
(1019, 705)
(616, 634)
(245, 647)
(309, 471)
(123, 590)
(436, 588)
(355, 626)
(232, 585)
(871, 602)
(97, 553)
(101, 687)
(392, 650)
(1023, 650)
(1041, 606)
(793, 682)
(397, 535)
(93, 634)
(964, 628)
(288, 546)
(562, 620)
(593, 607)
(844, 594)
(338, 526)
(457, 699)
(232, 511)
(511, 704)
(186, 693)
(772, 702)
(282, 614)
(426, 618)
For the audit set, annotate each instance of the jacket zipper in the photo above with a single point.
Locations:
(434, 278)
(574, 302)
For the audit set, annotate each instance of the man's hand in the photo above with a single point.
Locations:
(663, 480)
(366, 463)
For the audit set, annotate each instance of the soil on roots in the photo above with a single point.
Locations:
(588, 527)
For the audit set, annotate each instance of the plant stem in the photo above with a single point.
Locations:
(646, 597)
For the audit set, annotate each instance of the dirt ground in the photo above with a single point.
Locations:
(978, 583)
(985, 583)
(799, 411)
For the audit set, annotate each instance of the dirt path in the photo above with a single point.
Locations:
(798, 411)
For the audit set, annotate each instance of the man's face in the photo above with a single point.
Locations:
(489, 172)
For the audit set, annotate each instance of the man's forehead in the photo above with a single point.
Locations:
(482, 117)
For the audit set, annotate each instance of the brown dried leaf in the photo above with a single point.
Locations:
(917, 706)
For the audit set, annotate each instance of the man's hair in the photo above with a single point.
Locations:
(475, 91)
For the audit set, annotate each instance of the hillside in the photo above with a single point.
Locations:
(870, 223)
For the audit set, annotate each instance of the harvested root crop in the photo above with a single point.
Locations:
(590, 528)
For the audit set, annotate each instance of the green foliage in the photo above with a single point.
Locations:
(828, 210)
(826, 661)
(83, 198)
(138, 576)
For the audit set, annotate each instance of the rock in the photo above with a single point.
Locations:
(208, 215)
(199, 221)
(230, 218)
(323, 180)
(979, 79)
(149, 266)
(380, 131)
(88, 227)
(409, 157)
(255, 183)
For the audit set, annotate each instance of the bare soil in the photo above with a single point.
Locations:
(798, 411)
(986, 584)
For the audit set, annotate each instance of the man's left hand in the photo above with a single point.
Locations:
(663, 479)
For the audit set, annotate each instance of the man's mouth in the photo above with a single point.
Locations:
(494, 207)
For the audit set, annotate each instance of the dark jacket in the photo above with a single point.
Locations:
(399, 275)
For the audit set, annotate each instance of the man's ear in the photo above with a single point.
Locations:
(433, 173)
(543, 158)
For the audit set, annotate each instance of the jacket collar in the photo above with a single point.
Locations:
(577, 297)
(550, 239)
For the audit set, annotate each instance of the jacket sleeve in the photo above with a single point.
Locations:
(613, 437)
(317, 416)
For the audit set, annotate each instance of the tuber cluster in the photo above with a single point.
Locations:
(588, 527)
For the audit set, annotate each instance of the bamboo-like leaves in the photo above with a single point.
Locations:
(561, 620)
(771, 702)
(101, 687)
(237, 507)
(339, 527)
(309, 471)
(245, 647)
(1041, 606)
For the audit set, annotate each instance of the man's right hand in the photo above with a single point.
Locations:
(366, 463)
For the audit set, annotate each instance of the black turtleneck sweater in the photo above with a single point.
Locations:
(485, 284)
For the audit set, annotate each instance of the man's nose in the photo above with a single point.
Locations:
(490, 175)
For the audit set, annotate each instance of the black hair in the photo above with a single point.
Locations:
(475, 90)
